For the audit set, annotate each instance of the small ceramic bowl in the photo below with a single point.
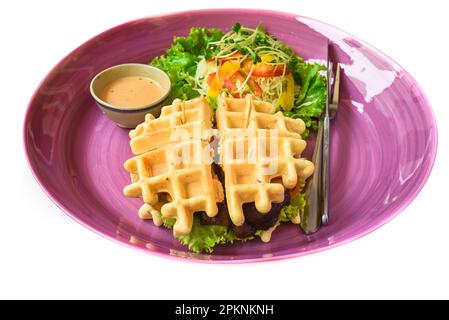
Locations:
(130, 117)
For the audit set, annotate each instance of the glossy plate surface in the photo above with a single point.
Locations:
(382, 150)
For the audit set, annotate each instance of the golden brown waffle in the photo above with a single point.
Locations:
(175, 178)
(183, 171)
(194, 117)
(247, 113)
(252, 155)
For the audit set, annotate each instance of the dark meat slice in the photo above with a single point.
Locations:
(221, 219)
(262, 221)
(254, 220)
(219, 172)
(259, 220)
(243, 231)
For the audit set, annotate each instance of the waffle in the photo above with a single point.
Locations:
(188, 181)
(249, 114)
(257, 146)
(147, 211)
(260, 152)
(193, 116)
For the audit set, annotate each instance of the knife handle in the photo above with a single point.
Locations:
(311, 216)
(325, 170)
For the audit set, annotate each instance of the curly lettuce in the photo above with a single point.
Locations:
(203, 238)
(181, 60)
(290, 212)
(311, 100)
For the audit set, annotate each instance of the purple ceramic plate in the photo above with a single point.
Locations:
(383, 139)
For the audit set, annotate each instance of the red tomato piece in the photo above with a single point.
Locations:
(264, 70)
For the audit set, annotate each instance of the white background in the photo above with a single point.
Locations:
(44, 254)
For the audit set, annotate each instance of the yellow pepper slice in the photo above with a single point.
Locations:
(228, 69)
(225, 71)
(214, 87)
(267, 58)
(287, 98)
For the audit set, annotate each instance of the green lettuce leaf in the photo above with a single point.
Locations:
(311, 100)
(203, 238)
(289, 212)
(292, 210)
(168, 222)
(181, 60)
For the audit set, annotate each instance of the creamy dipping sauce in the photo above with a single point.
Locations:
(131, 92)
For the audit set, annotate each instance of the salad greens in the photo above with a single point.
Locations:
(256, 62)
(203, 238)
(182, 58)
(290, 212)
(310, 102)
